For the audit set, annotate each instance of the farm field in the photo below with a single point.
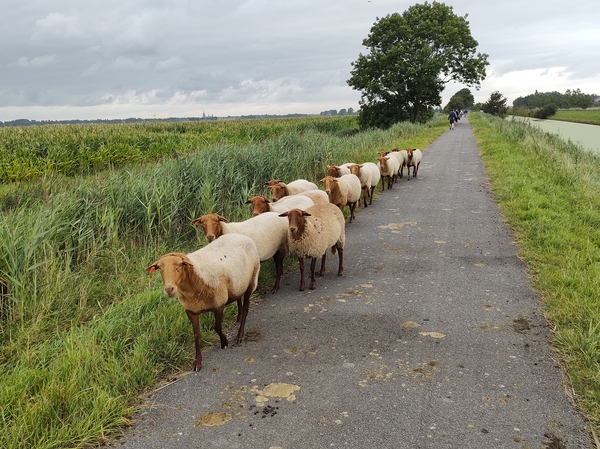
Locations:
(83, 329)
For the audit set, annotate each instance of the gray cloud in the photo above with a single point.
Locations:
(71, 59)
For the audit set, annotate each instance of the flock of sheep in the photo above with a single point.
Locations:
(299, 220)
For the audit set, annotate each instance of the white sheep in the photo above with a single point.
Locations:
(388, 169)
(317, 196)
(368, 174)
(280, 189)
(261, 204)
(402, 157)
(311, 233)
(209, 279)
(338, 170)
(268, 232)
(413, 160)
(343, 191)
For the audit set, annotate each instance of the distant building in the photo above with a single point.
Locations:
(597, 101)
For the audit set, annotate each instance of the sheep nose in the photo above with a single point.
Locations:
(170, 291)
(293, 229)
(210, 238)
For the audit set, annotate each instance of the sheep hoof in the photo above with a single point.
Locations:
(197, 366)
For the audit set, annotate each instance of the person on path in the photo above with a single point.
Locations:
(452, 119)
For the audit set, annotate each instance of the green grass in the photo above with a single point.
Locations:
(83, 329)
(549, 192)
(591, 116)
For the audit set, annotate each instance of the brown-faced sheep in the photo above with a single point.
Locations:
(312, 232)
(414, 156)
(268, 232)
(209, 279)
(369, 176)
(343, 191)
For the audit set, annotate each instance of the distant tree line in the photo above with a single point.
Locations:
(348, 111)
(26, 122)
(570, 99)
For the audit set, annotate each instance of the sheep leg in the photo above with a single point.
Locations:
(371, 195)
(352, 208)
(365, 195)
(218, 313)
(401, 170)
(301, 264)
(415, 170)
(246, 306)
(278, 258)
(408, 173)
(193, 317)
(313, 281)
(340, 251)
(239, 308)
(322, 270)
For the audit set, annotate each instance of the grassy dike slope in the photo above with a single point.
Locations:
(84, 331)
(549, 194)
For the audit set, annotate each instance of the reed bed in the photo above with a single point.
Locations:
(83, 329)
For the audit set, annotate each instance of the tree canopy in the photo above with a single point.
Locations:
(411, 58)
(570, 99)
(463, 99)
(496, 104)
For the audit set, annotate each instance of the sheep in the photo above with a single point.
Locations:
(338, 170)
(311, 232)
(317, 196)
(209, 279)
(343, 191)
(388, 169)
(401, 155)
(280, 189)
(413, 160)
(261, 203)
(369, 176)
(267, 231)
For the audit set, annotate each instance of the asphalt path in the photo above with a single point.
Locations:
(433, 338)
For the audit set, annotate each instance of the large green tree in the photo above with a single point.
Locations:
(463, 99)
(411, 58)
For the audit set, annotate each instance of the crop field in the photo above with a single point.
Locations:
(85, 209)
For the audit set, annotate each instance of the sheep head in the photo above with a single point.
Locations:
(328, 182)
(278, 191)
(295, 221)
(332, 170)
(211, 225)
(355, 169)
(272, 182)
(260, 204)
(173, 269)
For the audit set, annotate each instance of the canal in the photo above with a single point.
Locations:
(588, 136)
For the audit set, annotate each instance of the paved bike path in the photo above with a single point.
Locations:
(433, 338)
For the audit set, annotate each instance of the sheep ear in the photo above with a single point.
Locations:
(185, 262)
(305, 214)
(197, 221)
(249, 201)
(152, 268)
(285, 214)
(322, 181)
(222, 219)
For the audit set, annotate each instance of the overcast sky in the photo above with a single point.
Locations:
(74, 59)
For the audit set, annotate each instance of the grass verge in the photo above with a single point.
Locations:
(549, 192)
